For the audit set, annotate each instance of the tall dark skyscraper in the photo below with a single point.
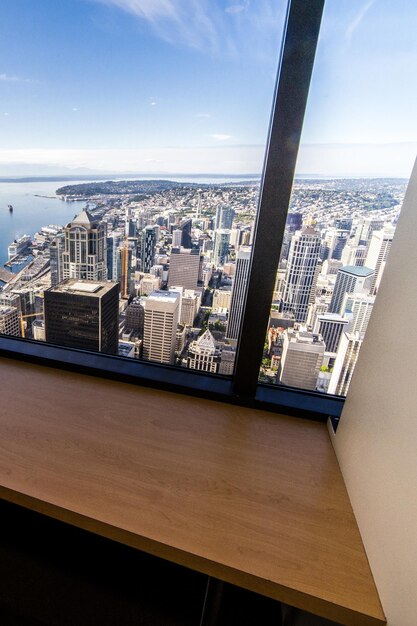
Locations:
(148, 244)
(185, 227)
(301, 273)
(56, 250)
(238, 292)
(83, 314)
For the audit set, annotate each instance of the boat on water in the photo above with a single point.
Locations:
(18, 246)
(9, 206)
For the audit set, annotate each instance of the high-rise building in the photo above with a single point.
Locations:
(190, 304)
(301, 273)
(221, 246)
(134, 317)
(354, 254)
(83, 314)
(224, 218)
(333, 243)
(357, 308)
(344, 365)
(221, 299)
(364, 229)
(350, 279)
(330, 326)
(176, 238)
(147, 248)
(184, 267)
(85, 255)
(113, 256)
(302, 357)
(294, 222)
(238, 292)
(185, 227)
(56, 250)
(378, 251)
(160, 327)
(203, 354)
(9, 320)
(148, 284)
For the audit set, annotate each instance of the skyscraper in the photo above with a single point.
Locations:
(113, 256)
(9, 320)
(85, 255)
(357, 308)
(160, 327)
(378, 251)
(221, 246)
(330, 326)
(346, 358)
(185, 227)
(184, 267)
(350, 279)
(238, 292)
(224, 217)
(302, 357)
(301, 273)
(83, 314)
(147, 248)
(56, 250)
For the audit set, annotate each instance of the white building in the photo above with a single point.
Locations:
(346, 358)
(302, 358)
(378, 253)
(160, 326)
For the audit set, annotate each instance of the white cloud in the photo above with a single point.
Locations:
(236, 8)
(357, 20)
(203, 116)
(15, 79)
(75, 109)
(194, 23)
(5, 113)
(220, 136)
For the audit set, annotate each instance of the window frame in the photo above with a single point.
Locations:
(301, 32)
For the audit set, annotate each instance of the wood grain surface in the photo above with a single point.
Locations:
(250, 497)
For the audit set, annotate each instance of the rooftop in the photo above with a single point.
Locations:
(80, 287)
(357, 270)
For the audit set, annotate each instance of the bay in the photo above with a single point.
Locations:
(30, 211)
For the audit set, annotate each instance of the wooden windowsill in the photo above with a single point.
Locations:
(250, 497)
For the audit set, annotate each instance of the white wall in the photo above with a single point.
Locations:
(376, 442)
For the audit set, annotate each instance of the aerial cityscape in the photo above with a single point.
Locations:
(149, 130)
(157, 270)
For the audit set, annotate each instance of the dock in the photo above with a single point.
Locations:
(5, 275)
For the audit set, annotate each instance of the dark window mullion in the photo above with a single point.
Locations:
(294, 73)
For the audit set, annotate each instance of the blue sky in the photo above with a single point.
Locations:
(186, 86)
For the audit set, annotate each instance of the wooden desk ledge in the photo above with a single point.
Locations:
(250, 497)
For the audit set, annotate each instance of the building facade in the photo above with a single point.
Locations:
(160, 326)
(85, 255)
(83, 314)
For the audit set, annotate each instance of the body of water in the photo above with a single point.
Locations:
(30, 211)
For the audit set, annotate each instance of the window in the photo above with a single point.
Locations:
(217, 271)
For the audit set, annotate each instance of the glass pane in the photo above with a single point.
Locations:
(133, 136)
(358, 146)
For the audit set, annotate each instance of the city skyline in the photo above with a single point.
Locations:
(186, 87)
